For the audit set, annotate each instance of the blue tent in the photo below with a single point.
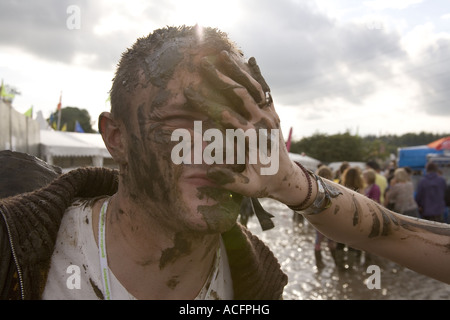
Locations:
(415, 157)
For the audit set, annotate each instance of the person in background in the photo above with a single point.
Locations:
(401, 194)
(430, 195)
(372, 190)
(352, 179)
(380, 179)
(326, 173)
(338, 177)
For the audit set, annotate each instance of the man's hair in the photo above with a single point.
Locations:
(154, 58)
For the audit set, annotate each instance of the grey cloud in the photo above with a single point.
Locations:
(432, 72)
(302, 52)
(40, 27)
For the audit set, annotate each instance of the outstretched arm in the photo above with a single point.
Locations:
(339, 213)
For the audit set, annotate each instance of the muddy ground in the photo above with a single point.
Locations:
(293, 244)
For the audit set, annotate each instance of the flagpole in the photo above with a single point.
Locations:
(288, 143)
(59, 112)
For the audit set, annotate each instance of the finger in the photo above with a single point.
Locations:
(225, 175)
(225, 87)
(255, 71)
(241, 100)
(235, 72)
(221, 114)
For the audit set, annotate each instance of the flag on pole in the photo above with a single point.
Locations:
(29, 112)
(58, 108)
(59, 103)
(2, 90)
(288, 143)
(78, 127)
(6, 94)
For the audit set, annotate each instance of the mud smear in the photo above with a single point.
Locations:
(356, 213)
(376, 225)
(146, 173)
(97, 291)
(222, 215)
(234, 100)
(235, 72)
(210, 102)
(255, 71)
(147, 154)
(173, 282)
(160, 100)
(161, 65)
(182, 247)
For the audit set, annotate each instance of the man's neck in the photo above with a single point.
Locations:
(153, 262)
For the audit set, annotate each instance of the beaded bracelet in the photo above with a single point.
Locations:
(308, 196)
(323, 198)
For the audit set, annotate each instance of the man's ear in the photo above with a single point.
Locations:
(113, 136)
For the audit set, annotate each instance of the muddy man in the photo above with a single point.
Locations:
(163, 229)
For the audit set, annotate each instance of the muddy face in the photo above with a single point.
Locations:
(176, 195)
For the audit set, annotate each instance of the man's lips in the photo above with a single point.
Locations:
(200, 180)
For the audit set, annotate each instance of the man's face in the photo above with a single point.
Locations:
(177, 195)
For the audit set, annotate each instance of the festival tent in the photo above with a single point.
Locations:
(415, 157)
(72, 144)
(440, 144)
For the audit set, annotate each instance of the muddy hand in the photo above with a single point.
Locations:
(249, 107)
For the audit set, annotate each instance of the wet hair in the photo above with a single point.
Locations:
(154, 58)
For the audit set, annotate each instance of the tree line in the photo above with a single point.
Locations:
(348, 147)
(69, 116)
(326, 148)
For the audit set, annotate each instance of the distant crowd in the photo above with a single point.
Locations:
(393, 188)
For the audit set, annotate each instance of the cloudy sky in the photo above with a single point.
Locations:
(366, 67)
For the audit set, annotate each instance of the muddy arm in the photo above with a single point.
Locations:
(347, 216)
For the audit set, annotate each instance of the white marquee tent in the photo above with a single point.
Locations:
(307, 162)
(72, 144)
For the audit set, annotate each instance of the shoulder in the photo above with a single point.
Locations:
(22, 172)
